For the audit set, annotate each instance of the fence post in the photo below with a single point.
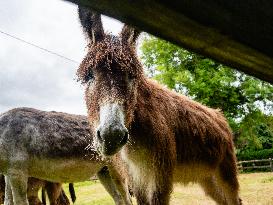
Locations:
(271, 165)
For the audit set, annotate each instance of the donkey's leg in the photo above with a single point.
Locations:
(227, 179)
(55, 195)
(162, 193)
(115, 186)
(164, 183)
(153, 193)
(2, 188)
(213, 190)
(153, 190)
(18, 183)
(8, 193)
(109, 185)
(63, 199)
(141, 195)
(32, 191)
(121, 183)
(231, 190)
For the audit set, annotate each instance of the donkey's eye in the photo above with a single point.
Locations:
(89, 76)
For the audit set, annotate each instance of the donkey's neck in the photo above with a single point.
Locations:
(156, 102)
(154, 114)
(151, 130)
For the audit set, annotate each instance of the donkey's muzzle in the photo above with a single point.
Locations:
(112, 140)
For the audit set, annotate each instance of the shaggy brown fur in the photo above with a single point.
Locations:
(172, 138)
(55, 192)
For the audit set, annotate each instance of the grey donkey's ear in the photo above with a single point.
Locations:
(129, 35)
(91, 24)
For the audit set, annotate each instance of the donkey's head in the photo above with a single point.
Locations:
(111, 73)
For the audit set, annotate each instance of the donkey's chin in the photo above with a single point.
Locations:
(109, 151)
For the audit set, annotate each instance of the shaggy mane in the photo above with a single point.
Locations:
(109, 53)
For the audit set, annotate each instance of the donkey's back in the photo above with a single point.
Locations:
(47, 145)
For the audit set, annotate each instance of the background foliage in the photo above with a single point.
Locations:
(245, 101)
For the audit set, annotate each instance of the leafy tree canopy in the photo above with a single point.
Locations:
(255, 132)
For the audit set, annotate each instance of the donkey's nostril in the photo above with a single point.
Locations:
(99, 136)
(125, 138)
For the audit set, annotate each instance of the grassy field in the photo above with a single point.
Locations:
(256, 188)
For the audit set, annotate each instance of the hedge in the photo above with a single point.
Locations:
(260, 154)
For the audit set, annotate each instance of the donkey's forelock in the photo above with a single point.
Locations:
(110, 55)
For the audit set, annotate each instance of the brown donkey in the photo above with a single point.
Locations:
(163, 136)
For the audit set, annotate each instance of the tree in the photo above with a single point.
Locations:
(204, 80)
(255, 131)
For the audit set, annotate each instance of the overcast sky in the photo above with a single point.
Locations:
(31, 77)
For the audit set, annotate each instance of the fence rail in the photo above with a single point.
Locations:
(256, 164)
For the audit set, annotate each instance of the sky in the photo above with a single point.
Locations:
(30, 77)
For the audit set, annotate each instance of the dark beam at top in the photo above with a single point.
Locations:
(237, 33)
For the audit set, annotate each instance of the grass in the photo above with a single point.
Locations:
(256, 188)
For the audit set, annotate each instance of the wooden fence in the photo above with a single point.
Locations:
(256, 164)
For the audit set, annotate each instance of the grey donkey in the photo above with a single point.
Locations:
(56, 147)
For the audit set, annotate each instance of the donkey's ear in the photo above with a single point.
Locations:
(129, 35)
(91, 24)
